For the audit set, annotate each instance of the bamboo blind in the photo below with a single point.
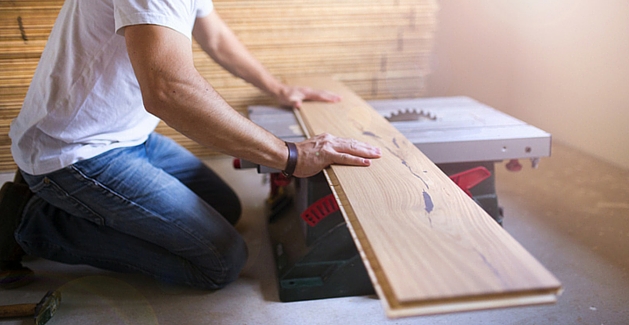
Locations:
(379, 48)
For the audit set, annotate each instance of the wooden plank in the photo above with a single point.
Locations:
(429, 247)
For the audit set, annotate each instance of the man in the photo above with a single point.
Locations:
(111, 193)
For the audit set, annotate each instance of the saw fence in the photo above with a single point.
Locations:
(378, 48)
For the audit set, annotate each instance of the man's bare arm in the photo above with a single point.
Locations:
(222, 45)
(174, 91)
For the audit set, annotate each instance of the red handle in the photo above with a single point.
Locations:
(322, 208)
(470, 178)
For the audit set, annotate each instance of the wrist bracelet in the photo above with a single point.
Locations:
(292, 159)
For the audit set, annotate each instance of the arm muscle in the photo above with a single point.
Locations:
(174, 91)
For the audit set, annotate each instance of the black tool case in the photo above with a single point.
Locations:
(320, 261)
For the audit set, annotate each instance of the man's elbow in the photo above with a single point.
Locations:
(163, 94)
(156, 99)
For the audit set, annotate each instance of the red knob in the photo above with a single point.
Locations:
(514, 165)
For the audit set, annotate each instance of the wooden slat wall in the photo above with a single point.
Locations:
(378, 48)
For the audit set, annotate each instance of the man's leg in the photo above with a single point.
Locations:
(166, 154)
(13, 198)
(119, 212)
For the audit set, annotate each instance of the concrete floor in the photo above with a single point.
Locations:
(572, 214)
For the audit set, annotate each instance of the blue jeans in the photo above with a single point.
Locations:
(154, 209)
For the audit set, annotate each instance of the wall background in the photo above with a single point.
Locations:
(561, 65)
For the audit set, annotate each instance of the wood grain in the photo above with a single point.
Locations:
(428, 246)
(381, 48)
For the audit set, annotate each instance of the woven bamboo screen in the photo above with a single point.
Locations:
(380, 48)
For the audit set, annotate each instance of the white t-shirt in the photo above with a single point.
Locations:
(84, 98)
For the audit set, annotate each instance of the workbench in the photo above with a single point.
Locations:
(460, 135)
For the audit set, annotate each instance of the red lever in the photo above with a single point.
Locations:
(514, 165)
(470, 178)
(322, 208)
(278, 180)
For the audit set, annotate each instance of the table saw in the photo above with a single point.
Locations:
(314, 251)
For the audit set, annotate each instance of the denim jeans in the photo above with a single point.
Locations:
(154, 209)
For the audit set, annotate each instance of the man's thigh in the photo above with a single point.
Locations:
(122, 193)
(123, 190)
(164, 153)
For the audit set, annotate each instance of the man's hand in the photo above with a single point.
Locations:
(294, 96)
(324, 150)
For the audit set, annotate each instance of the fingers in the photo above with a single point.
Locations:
(321, 95)
(323, 150)
(295, 96)
(356, 148)
(347, 151)
(347, 159)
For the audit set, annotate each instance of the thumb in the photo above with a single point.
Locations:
(296, 100)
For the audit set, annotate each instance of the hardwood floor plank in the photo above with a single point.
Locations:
(428, 246)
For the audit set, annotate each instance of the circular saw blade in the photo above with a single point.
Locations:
(410, 115)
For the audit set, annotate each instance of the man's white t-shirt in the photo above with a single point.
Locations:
(84, 98)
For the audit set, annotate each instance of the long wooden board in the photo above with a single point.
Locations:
(429, 247)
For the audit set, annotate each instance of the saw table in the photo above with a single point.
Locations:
(314, 251)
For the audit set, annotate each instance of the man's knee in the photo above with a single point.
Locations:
(231, 263)
(236, 261)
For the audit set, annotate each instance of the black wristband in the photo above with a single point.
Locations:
(292, 159)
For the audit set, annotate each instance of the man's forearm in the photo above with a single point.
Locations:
(174, 91)
(220, 43)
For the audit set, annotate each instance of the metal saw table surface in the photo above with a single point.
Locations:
(458, 134)
(463, 130)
